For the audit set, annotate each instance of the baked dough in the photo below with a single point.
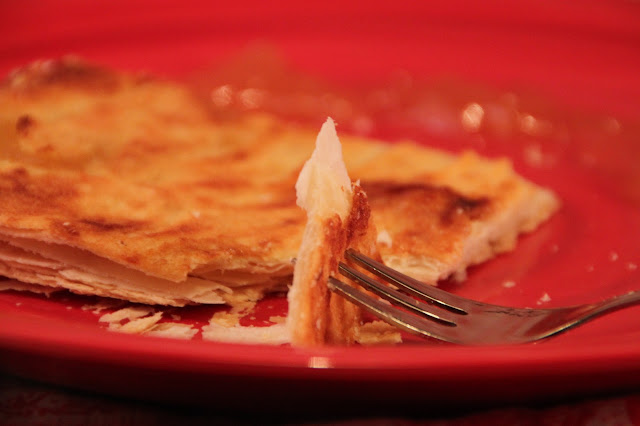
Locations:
(338, 218)
(124, 185)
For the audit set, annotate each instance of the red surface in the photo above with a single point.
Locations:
(584, 56)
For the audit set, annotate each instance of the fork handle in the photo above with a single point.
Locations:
(617, 302)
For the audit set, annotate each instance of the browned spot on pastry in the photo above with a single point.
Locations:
(132, 259)
(101, 224)
(24, 124)
(19, 188)
(473, 209)
(444, 202)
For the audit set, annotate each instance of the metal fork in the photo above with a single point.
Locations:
(432, 312)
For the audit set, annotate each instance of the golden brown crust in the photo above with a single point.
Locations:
(139, 174)
(455, 211)
(134, 170)
(411, 211)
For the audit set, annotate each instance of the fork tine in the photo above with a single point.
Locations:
(418, 289)
(398, 298)
(408, 322)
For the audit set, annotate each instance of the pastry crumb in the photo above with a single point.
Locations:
(277, 319)
(137, 326)
(277, 334)
(544, 299)
(378, 333)
(509, 284)
(130, 313)
(174, 330)
(225, 319)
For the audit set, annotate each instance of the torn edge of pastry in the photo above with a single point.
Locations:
(338, 217)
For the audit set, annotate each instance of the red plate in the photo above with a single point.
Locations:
(585, 59)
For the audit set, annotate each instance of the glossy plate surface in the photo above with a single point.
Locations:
(584, 60)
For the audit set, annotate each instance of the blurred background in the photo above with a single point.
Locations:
(584, 52)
